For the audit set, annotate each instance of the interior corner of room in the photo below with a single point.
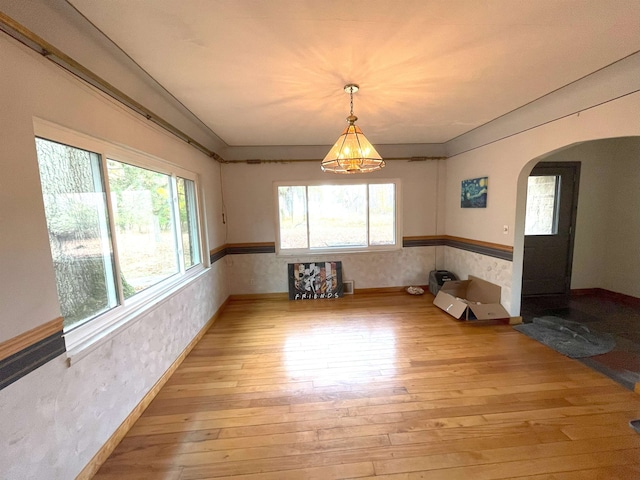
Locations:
(240, 120)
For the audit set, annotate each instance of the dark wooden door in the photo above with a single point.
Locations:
(552, 201)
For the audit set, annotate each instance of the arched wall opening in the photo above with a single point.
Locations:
(607, 229)
(507, 163)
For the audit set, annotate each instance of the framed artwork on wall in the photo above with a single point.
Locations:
(316, 280)
(473, 193)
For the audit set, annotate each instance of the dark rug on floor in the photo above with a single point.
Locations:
(572, 339)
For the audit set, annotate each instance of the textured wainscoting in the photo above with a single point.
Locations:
(495, 270)
(267, 273)
(256, 269)
(74, 410)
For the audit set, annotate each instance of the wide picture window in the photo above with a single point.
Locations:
(340, 217)
(118, 231)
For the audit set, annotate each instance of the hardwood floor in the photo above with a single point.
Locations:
(377, 386)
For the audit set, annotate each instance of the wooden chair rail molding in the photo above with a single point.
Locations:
(416, 241)
(497, 246)
(26, 339)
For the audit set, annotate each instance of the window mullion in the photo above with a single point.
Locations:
(306, 213)
(177, 229)
(112, 228)
(104, 228)
(191, 200)
(368, 213)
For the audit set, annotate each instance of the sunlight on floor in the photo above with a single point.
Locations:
(341, 354)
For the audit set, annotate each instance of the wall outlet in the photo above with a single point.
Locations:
(505, 229)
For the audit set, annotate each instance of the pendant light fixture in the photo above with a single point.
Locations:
(352, 152)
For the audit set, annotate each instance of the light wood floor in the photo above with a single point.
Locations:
(386, 387)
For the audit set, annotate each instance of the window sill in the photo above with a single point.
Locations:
(87, 338)
(336, 251)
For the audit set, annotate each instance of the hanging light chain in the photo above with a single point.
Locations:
(351, 96)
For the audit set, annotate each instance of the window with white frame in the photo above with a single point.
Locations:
(122, 226)
(315, 217)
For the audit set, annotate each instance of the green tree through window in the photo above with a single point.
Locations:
(154, 219)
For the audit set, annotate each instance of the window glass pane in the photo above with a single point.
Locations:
(541, 205)
(75, 207)
(337, 216)
(292, 210)
(382, 206)
(145, 227)
(188, 221)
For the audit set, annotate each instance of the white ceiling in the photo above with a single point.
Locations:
(260, 72)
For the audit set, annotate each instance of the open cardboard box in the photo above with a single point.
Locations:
(472, 299)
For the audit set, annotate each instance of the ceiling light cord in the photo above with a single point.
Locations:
(351, 97)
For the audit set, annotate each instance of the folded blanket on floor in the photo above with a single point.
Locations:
(569, 338)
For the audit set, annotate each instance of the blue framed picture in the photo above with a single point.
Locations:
(474, 193)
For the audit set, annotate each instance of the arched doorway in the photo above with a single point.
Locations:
(605, 270)
(607, 227)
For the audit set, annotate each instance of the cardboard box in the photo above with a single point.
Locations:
(473, 299)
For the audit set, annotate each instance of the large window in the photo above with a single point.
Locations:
(79, 231)
(122, 228)
(337, 217)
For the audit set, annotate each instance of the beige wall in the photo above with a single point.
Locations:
(508, 163)
(623, 235)
(38, 88)
(249, 199)
(57, 417)
(267, 272)
(594, 204)
(607, 235)
(60, 24)
(248, 192)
